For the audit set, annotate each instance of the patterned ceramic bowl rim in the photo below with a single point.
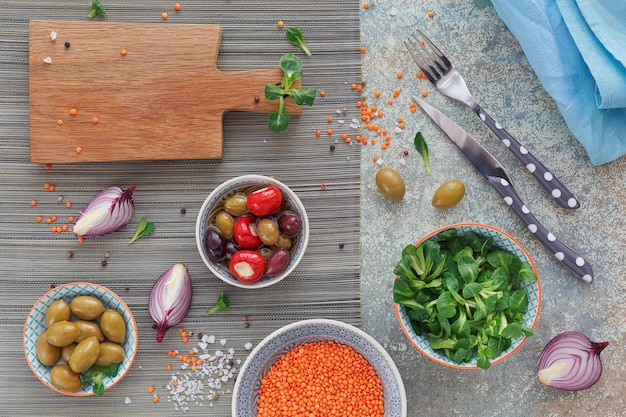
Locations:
(533, 291)
(281, 341)
(214, 198)
(35, 324)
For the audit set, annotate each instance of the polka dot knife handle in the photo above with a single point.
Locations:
(561, 251)
(548, 181)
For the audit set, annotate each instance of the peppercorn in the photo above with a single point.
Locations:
(332, 147)
(104, 263)
(183, 210)
(70, 254)
(67, 44)
(341, 245)
(257, 99)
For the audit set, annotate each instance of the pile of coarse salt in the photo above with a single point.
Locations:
(189, 387)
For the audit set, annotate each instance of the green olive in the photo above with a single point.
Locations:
(390, 183)
(65, 379)
(88, 329)
(224, 222)
(113, 326)
(110, 353)
(66, 351)
(58, 310)
(62, 333)
(284, 242)
(236, 204)
(46, 353)
(85, 355)
(449, 194)
(268, 231)
(86, 307)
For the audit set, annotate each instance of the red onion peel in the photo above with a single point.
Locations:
(170, 299)
(108, 212)
(571, 362)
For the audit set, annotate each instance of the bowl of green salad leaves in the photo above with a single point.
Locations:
(467, 295)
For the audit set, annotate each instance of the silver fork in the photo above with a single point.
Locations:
(439, 71)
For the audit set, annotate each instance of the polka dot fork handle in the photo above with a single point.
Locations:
(498, 177)
(560, 250)
(442, 74)
(561, 195)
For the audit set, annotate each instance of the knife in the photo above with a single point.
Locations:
(499, 179)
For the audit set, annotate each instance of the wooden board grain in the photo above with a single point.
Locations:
(164, 99)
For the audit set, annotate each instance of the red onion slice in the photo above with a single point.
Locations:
(571, 362)
(108, 212)
(170, 299)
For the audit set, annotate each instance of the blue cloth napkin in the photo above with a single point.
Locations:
(578, 51)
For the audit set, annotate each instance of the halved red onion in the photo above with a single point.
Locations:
(109, 211)
(571, 362)
(170, 299)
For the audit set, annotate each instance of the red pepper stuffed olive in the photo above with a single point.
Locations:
(247, 266)
(265, 201)
(244, 232)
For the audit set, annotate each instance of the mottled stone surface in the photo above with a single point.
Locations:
(496, 70)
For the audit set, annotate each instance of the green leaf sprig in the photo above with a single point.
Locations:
(222, 304)
(295, 37)
(464, 294)
(292, 72)
(144, 228)
(96, 9)
(422, 149)
(96, 376)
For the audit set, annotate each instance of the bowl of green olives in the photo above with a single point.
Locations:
(80, 339)
(252, 231)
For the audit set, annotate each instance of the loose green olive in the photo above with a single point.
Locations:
(110, 353)
(236, 204)
(46, 353)
(449, 194)
(113, 326)
(224, 222)
(62, 333)
(58, 310)
(88, 329)
(268, 231)
(85, 355)
(390, 183)
(66, 351)
(65, 379)
(86, 307)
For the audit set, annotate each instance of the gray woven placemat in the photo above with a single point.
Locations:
(32, 258)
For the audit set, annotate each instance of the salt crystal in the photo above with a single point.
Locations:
(210, 339)
(219, 353)
(341, 121)
(402, 162)
(248, 346)
(397, 130)
(127, 400)
(53, 35)
(380, 162)
(203, 345)
(231, 351)
(393, 12)
(47, 60)
(222, 342)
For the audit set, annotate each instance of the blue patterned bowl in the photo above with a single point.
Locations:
(263, 356)
(216, 198)
(503, 241)
(36, 324)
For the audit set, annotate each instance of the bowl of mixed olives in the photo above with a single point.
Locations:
(80, 339)
(252, 231)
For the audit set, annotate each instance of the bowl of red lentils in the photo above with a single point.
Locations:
(319, 367)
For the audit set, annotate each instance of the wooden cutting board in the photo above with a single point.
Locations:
(163, 99)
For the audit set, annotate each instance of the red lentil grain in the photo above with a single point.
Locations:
(343, 383)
